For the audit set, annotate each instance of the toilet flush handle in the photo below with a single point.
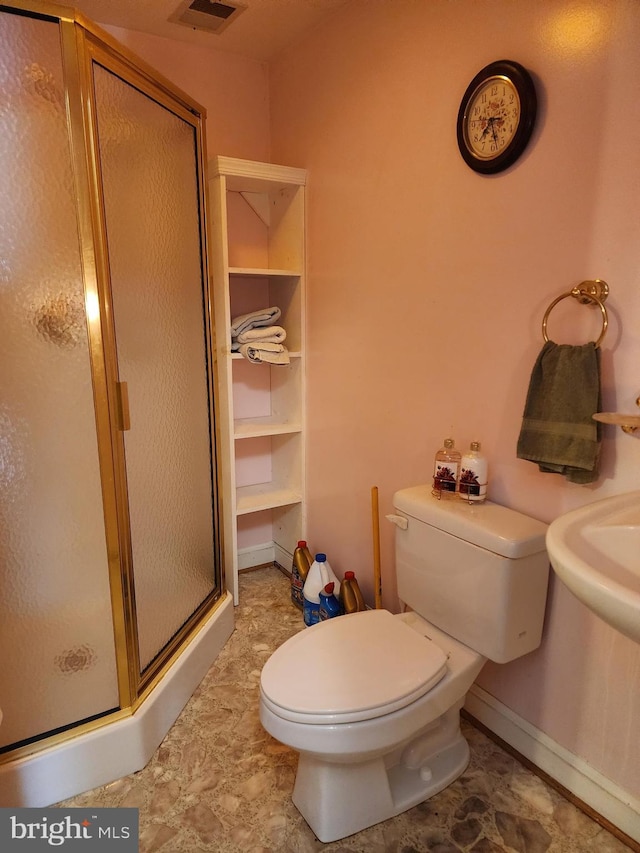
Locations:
(399, 520)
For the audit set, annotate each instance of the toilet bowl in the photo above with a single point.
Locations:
(373, 711)
(372, 700)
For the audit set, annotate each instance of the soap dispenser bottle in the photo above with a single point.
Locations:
(473, 474)
(446, 470)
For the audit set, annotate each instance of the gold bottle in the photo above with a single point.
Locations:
(350, 595)
(302, 560)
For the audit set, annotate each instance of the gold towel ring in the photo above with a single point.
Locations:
(589, 292)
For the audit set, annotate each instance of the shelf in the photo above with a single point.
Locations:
(264, 496)
(252, 272)
(250, 176)
(255, 427)
(237, 356)
(628, 423)
(258, 237)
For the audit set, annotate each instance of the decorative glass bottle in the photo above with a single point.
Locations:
(446, 470)
(473, 474)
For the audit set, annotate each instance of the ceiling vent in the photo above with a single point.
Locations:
(208, 15)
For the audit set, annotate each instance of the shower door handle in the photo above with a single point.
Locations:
(122, 403)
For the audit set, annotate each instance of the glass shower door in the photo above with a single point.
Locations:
(109, 546)
(149, 167)
(58, 662)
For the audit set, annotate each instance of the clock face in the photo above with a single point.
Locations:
(496, 116)
(492, 118)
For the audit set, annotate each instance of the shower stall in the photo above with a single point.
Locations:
(112, 602)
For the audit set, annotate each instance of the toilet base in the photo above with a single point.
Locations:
(338, 799)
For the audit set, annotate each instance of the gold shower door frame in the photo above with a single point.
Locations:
(82, 44)
(94, 50)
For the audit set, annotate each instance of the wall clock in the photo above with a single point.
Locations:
(496, 116)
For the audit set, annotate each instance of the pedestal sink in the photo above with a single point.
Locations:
(595, 551)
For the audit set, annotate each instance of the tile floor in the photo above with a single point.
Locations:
(219, 783)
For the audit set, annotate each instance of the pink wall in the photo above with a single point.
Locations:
(233, 90)
(428, 283)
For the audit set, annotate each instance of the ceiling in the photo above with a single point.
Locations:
(261, 31)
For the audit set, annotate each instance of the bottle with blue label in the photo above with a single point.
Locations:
(302, 560)
(329, 604)
(320, 574)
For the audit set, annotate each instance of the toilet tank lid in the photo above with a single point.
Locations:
(488, 525)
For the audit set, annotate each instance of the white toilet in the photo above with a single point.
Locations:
(372, 700)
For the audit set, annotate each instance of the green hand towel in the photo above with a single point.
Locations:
(558, 431)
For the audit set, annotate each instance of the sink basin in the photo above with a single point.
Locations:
(595, 551)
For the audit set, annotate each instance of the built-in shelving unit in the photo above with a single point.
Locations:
(257, 240)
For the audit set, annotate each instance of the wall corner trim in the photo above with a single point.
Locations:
(572, 772)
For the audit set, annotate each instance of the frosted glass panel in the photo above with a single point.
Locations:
(148, 160)
(56, 631)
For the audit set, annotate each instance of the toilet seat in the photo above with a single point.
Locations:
(349, 669)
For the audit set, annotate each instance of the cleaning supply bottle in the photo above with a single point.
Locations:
(329, 604)
(302, 560)
(446, 470)
(317, 579)
(473, 474)
(320, 574)
(350, 595)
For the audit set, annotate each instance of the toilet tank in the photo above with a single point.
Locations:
(477, 571)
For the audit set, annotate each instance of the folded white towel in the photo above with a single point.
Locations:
(255, 319)
(273, 334)
(265, 351)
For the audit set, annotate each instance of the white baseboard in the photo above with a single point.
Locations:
(256, 555)
(267, 552)
(572, 772)
(283, 558)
